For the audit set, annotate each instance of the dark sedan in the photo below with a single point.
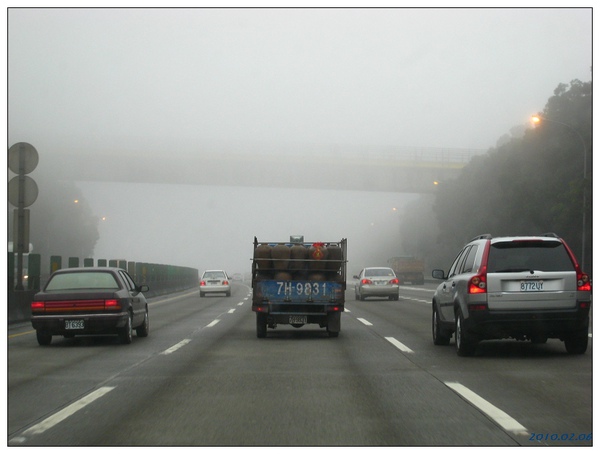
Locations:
(90, 301)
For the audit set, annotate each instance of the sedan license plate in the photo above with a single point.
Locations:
(532, 286)
(74, 324)
(297, 319)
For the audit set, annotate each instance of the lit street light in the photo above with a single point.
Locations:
(536, 119)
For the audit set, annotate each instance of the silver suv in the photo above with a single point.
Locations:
(526, 288)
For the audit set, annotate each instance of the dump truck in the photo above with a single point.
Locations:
(298, 283)
(409, 270)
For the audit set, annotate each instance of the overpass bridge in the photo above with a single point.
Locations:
(380, 169)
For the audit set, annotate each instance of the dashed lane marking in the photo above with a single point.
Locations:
(399, 345)
(176, 347)
(63, 414)
(500, 417)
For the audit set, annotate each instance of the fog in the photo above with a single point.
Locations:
(173, 81)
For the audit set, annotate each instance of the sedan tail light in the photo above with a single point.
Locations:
(112, 304)
(225, 282)
(202, 283)
(37, 306)
(394, 281)
(366, 281)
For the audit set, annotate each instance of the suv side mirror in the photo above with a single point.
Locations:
(438, 274)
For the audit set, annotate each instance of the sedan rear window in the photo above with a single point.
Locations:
(506, 257)
(379, 272)
(214, 275)
(79, 281)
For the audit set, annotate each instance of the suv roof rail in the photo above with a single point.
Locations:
(553, 235)
(484, 236)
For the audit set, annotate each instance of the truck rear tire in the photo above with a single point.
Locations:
(261, 326)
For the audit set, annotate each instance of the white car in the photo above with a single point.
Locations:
(215, 281)
(376, 281)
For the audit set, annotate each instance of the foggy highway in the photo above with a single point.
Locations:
(203, 378)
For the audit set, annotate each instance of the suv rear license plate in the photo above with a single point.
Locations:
(532, 286)
(298, 319)
(74, 324)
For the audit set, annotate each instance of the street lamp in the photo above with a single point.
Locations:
(536, 119)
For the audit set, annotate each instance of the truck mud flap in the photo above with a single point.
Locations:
(334, 322)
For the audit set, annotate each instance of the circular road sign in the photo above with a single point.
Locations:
(30, 191)
(22, 151)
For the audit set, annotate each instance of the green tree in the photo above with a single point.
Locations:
(526, 185)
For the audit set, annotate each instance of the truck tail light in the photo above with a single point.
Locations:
(477, 284)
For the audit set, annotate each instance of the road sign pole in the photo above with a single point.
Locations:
(21, 220)
(22, 159)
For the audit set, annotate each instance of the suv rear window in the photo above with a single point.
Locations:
(514, 256)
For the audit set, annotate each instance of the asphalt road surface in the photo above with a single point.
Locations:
(203, 378)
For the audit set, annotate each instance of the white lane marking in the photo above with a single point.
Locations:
(51, 421)
(241, 303)
(399, 345)
(502, 418)
(231, 311)
(366, 322)
(176, 347)
(213, 323)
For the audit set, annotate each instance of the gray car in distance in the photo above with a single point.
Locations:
(376, 281)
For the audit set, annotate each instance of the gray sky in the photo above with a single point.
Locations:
(171, 79)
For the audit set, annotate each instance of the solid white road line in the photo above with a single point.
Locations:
(503, 419)
(51, 421)
(399, 345)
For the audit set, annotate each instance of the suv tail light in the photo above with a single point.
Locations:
(478, 284)
(583, 282)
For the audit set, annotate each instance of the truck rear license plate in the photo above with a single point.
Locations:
(297, 319)
(74, 324)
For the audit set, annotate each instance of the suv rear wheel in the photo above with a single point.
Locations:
(465, 343)
(440, 336)
(577, 343)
